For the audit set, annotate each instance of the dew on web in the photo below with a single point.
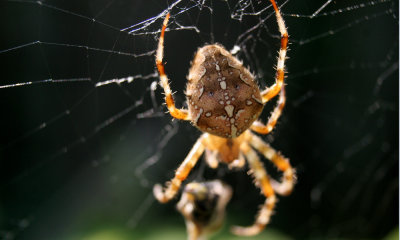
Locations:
(85, 133)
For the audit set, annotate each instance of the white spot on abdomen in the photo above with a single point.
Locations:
(233, 130)
(201, 91)
(229, 110)
(240, 112)
(223, 85)
(244, 79)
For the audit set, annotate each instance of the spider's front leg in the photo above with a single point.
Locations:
(262, 181)
(272, 91)
(164, 195)
(259, 127)
(181, 114)
(279, 86)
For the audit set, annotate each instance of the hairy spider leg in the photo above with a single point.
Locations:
(172, 187)
(272, 91)
(262, 180)
(286, 186)
(181, 114)
(259, 127)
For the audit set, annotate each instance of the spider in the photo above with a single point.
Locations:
(202, 204)
(224, 102)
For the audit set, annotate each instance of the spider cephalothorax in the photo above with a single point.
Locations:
(224, 102)
(222, 96)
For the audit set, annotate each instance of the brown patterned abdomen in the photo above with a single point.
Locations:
(222, 96)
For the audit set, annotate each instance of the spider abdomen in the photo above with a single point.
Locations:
(222, 96)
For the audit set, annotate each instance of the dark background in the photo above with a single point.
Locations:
(79, 161)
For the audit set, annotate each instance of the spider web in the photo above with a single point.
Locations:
(85, 135)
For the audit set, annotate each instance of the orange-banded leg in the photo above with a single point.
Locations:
(282, 163)
(272, 91)
(172, 187)
(181, 114)
(259, 127)
(262, 181)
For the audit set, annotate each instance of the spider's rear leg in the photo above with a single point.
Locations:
(164, 195)
(262, 180)
(181, 114)
(282, 163)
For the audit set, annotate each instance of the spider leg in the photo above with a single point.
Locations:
(211, 157)
(272, 91)
(286, 186)
(262, 180)
(259, 127)
(181, 114)
(172, 187)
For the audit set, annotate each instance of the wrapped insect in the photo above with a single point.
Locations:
(202, 204)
